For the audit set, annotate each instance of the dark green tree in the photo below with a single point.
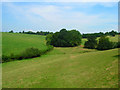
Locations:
(65, 38)
(11, 31)
(104, 43)
(48, 39)
(91, 43)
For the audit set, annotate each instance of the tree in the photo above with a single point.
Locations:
(91, 43)
(113, 33)
(48, 38)
(65, 38)
(11, 31)
(104, 43)
(118, 44)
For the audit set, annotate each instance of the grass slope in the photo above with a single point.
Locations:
(73, 67)
(98, 69)
(16, 43)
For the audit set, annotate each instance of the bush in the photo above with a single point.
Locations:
(11, 31)
(28, 53)
(91, 43)
(105, 44)
(118, 44)
(48, 39)
(5, 58)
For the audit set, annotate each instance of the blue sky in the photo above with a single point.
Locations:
(87, 17)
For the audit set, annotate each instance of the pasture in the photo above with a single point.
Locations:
(16, 43)
(73, 67)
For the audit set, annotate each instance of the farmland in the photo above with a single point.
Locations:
(71, 67)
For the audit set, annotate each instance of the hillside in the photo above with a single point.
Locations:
(70, 70)
(74, 67)
(16, 43)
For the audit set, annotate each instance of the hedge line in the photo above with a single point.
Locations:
(28, 53)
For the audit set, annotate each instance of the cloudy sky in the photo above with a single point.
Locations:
(87, 17)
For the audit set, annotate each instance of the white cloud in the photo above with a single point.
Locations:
(56, 17)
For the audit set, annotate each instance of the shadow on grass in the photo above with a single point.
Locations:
(118, 56)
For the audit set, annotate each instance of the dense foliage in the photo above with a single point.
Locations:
(105, 44)
(64, 38)
(111, 33)
(28, 53)
(37, 33)
(91, 43)
(118, 44)
(11, 31)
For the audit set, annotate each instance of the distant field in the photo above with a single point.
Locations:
(114, 39)
(111, 38)
(16, 43)
(73, 67)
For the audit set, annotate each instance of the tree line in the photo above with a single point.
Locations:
(71, 38)
(111, 33)
(102, 44)
(36, 33)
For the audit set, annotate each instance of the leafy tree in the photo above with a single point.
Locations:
(65, 38)
(11, 31)
(91, 43)
(49, 38)
(118, 44)
(112, 33)
(104, 43)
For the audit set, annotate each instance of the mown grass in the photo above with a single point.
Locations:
(74, 67)
(81, 70)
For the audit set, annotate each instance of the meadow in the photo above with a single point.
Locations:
(73, 67)
(16, 42)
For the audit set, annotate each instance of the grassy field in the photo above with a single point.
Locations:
(114, 39)
(74, 67)
(16, 43)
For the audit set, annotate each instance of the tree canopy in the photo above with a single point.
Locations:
(65, 38)
(104, 43)
(91, 43)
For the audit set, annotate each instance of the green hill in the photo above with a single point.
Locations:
(73, 67)
(16, 43)
(71, 70)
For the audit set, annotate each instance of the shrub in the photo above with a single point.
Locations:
(6, 58)
(105, 44)
(11, 31)
(28, 53)
(118, 44)
(48, 39)
(91, 43)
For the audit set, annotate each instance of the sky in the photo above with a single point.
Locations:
(86, 17)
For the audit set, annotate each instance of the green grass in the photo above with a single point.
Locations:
(16, 43)
(73, 67)
(81, 70)
(111, 38)
(114, 39)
